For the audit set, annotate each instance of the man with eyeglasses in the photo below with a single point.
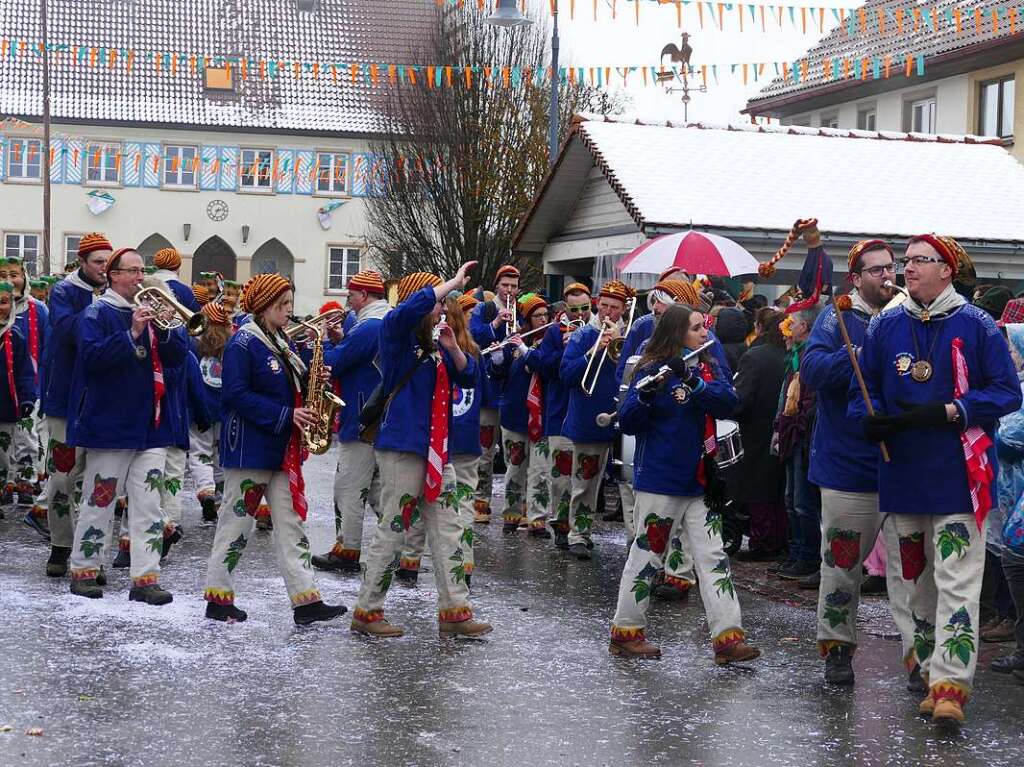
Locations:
(122, 416)
(939, 376)
(844, 464)
(489, 323)
(68, 299)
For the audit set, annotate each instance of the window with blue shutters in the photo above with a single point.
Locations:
(210, 168)
(332, 173)
(24, 159)
(56, 163)
(304, 172)
(132, 163)
(285, 173)
(73, 161)
(3, 156)
(103, 163)
(180, 166)
(229, 168)
(360, 174)
(153, 165)
(256, 172)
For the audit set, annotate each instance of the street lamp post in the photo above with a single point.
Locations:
(46, 137)
(507, 14)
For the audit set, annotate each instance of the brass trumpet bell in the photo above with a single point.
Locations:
(169, 313)
(615, 349)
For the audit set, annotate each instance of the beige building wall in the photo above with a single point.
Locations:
(139, 213)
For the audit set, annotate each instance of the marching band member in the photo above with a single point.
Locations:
(845, 466)
(674, 424)
(460, 474)
(939, 376)
(167, 262)
(261, 451)
(18, 387)
(33, 323)
(489, 323)
(412, 449)
(201, 294)
(125, 436)
(527, 454)
(591, 443)
(64, 463)
(204, 444)
(353, 365)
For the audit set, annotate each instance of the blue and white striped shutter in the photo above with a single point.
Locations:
(132, 163)
(360, 171)
(210, 168)
(73, 161)
(228, 168)
(152, 163)
(56, 166)
(285, 181)
(304, 172)
(3, 157)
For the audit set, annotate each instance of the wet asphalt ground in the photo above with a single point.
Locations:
(115, 683)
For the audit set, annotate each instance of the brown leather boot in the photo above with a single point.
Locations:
(381, 629)
(737, 653)
(481, 512)
(467, 628)
(948, 712)
(927, 706)
(638, 648)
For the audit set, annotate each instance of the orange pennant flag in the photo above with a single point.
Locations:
(887, 65)
(803, 20)
(353, 71)
(899, 20)
(467, 73)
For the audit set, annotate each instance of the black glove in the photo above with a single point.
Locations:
(878, 428)
(688, 375)
(203, 425)
(25, 409)
(929, 415)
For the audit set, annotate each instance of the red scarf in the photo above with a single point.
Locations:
(437, 453)
(975, 442)
(710, 443)
(534, 426)
(158, 377)
(294, 455)
(33, 336)
(9, 359)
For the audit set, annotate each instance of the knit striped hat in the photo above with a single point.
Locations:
(680, 291)
(367, 280)
(467, 302)
(865, 246)
(530, 303)
(617, 290)
(215, 313)
(965, 272)
(506, 271)
(91, 242)
(201, 293)
(330, 306)
(943, 246)
(262, 290)
(167, 258)
(114, 259)
(575, 287)
(671, 270)
(410, 283)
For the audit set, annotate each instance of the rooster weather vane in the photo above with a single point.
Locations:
(679, 55)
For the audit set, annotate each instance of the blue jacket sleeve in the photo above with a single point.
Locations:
(354, 351)
(197, 394)
(173, 345)
(1000, 393)
(24, 376)
(64, 318)
(548, 355)
(634, 413)
(184, 295)
(481, 330)
(466, 378)
(403, 319)
(872, 370)
(574, 360)
(825, 363)
(236, 393)
(101, 348)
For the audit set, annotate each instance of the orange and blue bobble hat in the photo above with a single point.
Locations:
(410, 283)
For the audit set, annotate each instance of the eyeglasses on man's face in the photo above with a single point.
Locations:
(577, 309)
(132, 271)
(878, 271)
(919, 261)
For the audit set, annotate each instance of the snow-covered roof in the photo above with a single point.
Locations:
(937, 41)
(752, 177)
(339, 32)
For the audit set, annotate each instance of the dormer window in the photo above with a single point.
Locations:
(219, 80)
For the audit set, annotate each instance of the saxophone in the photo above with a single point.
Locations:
(319, 399)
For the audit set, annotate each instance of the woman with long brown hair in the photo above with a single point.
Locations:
(670, 407)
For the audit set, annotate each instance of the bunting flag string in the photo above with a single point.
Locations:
(853, 19)
(439, 76)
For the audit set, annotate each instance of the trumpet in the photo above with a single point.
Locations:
(510, 326)
(613, 349)
(565, 322)
(301, 327)
(169, 314)
(657, 378)
(435, 333)
(901, 294)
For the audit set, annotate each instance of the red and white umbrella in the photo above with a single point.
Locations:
(696, 252)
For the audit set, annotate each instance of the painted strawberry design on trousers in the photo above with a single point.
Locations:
(486, 437)
(252, 494)
(912, 558)
(844, 548)
(410, 510)
(62, 456)
(588, 467)
(516, 452)
(562, 466)
(103, 491)
(658, 529)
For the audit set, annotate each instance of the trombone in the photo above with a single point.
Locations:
(300, 327)
(169, 314)
(565, 322)
(613, 349)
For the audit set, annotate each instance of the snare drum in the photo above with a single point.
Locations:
(730, 449)
(624, 463)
